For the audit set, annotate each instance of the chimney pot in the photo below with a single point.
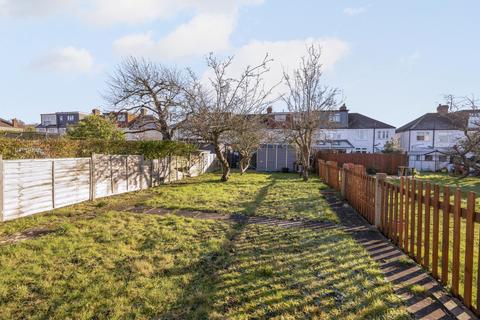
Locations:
(442, 109)
(269, 109)
(96, 112)
(343, 107)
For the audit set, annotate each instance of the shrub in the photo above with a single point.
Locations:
(68, 148)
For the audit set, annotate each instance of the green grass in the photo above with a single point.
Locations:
(101, 262)
(465, 184)
(277, 195)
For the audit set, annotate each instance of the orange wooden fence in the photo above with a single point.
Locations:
(381, 162)
(433, 224)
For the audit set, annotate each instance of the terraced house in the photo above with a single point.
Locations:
(429, 139)
(344, 132)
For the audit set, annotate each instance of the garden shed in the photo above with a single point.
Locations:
(276, 157)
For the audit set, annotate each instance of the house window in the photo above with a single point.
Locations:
(423, 136)
(443, 138)
(442, 158)
(121, 117)
(428, 157)
(360, 150)
(70, 117)
(361, 134)
(418, 158)
(280, 117)
(334, 117)
(61, 118)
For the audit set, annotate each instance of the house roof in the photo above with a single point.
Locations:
(434, 121)
(360, 121)
(5, 123)
(334, 144)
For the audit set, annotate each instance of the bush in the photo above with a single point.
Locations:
(371, 170)
(69, 148)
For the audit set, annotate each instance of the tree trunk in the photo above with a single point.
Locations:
(244, 164)
(223, 162)
(306, 162)
(305, 174)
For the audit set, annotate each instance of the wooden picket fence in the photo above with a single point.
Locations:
(434, 225)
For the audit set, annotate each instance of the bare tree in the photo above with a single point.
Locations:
(246, 139)
(220, 106)
(466, 116)
(140, 84)
(309, 103)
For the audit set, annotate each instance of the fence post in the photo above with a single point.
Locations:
(142, 170)
(1, 188)
(380, 177)
(53, 183)
(92, 177)
(343, 182)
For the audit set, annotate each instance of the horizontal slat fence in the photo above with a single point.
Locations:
(32, 186)
(381, 162)
(435, 225)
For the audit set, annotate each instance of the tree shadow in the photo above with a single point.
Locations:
(280, 269)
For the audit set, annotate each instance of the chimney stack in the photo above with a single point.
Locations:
(442, 109)
(343, 108)
(96, 112)
(143, 112)
(269, 109)
(15, 123)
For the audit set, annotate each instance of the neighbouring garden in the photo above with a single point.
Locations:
(109, 259)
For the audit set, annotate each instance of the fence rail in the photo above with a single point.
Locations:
(435, 225)
(32, 186)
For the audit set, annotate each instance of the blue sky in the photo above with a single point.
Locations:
(394, 60)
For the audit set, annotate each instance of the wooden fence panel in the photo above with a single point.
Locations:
(27, 187)
(410, 217)
(32, 186)
(71, 181)
(381, 162)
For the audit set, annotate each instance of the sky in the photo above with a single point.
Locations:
(392, 60)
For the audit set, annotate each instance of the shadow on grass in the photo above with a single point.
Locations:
(267, 271)
(198, 297)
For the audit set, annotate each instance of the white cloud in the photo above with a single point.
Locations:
(286, 56)
(33, 8)
(106, 12)
(202, 34)
(354, 11)
(66, 60)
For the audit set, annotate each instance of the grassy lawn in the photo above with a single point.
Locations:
(95, 261)
(277, 195)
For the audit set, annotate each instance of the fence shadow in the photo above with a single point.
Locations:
(424, 297)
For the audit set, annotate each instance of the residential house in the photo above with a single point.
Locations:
(143, 127)
(12, 125)
(57, 123)
(343, 132)
(121, 118)
(429, 139)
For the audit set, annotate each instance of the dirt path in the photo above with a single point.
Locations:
(433, 303)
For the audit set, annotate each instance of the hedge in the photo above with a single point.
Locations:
(69, 148)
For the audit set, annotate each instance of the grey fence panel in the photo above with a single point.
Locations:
(102, 175)
(27, 188)
(71, 181)
(32, 186)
